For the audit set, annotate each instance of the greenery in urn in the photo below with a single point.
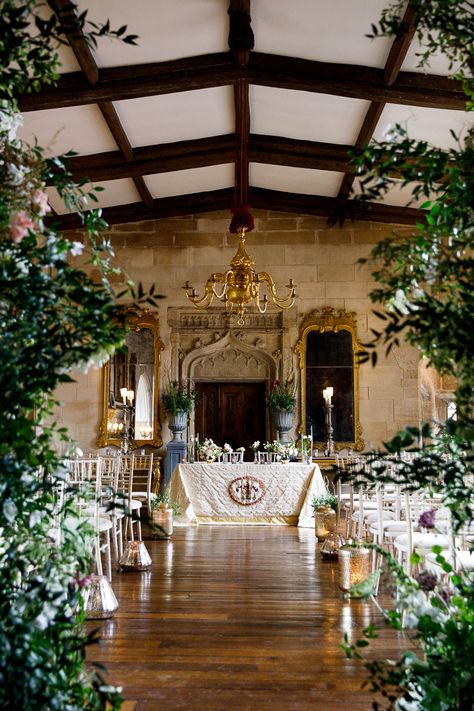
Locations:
(425, 280)
(178, 398)
(282, 395)
(164, 498)
(326, 500)
(53, 318)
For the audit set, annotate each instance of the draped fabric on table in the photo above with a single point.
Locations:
(276, 494)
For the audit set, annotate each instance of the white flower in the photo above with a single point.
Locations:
(77, 249)
(255, 445)
(227, 448)
(10, 510)
(9, 122)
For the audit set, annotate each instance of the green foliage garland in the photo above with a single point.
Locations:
(425, 287)
(53, 317)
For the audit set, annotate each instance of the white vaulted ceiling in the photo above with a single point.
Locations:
(175, 115)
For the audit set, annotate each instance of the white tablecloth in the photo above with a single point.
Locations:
(283, 493)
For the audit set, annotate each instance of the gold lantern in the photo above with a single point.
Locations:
(354, 567)
(162, 521)
(330, 548)
(135, 557)
(100, 602)
(325, 522)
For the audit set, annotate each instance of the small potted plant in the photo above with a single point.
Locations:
(162, 511)
(178, 402)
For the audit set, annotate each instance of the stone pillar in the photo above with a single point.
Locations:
(175, 453)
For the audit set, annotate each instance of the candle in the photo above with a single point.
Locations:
(123, 393)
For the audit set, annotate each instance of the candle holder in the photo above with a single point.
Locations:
(330, 450)
(135, 557)
(330, 548)
(325, 522)
(354, 561)
(100, 602)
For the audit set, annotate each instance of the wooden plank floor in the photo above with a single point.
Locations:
(237, 617)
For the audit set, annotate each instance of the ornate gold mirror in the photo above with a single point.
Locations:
(327, 351)
(130, 388)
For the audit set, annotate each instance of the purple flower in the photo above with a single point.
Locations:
(427, 519)
(446, 594)
(426, 580)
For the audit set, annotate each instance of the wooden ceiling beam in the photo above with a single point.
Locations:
(66, 12)
(216, 150)
(352, 81)
(395, 59)
(196, 203)
(175, 206)
(357, 82)
(161, 158)
(328, 207)
(401, 45)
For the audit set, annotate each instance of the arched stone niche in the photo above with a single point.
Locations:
(229, 358)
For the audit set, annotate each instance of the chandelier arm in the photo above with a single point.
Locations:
(283, 302)
(218, 278)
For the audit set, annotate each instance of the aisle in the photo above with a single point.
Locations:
(236, 617)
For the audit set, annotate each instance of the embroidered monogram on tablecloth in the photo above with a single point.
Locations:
(246, 490)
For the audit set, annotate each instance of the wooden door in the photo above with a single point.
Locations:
(231, 412)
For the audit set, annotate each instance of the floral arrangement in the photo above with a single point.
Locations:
(282, 395)
(276, 447)
(179, 398)
(255, 446)
(209, 450)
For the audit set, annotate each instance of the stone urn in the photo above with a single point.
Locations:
(177, 423)
(283, 420)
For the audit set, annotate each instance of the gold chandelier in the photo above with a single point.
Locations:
(240, 285)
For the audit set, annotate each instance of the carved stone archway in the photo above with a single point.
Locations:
(231, 359)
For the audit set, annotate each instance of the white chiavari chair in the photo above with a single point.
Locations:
(142, 482)
(112, 504)
(132, 505)
(84, 481)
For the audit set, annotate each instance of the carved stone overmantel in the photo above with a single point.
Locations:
(206, 346)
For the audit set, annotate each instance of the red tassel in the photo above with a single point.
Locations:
(241, 218)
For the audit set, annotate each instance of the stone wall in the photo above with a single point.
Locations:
(321, 260)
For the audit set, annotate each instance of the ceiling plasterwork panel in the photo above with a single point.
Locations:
(166, 29)
(423, 124)
(79, 128)
(320, 30)
(178, 117)
(185, 182)
(311, 117)
(295, 180)
(116, 192)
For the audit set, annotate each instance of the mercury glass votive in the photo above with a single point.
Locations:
(330, 547)
(100, 602)
(135, 557)
(162, 521)
(324, 522)
(354, 566)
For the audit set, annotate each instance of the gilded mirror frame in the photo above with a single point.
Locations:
(329, 320)
(137, 321)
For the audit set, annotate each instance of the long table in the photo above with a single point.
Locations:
(246, 493)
